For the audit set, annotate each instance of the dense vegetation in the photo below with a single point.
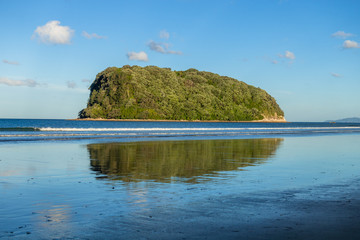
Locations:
(159, 93)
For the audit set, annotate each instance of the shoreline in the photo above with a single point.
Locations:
(165, 120)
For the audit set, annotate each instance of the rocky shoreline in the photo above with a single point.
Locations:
(266, 120)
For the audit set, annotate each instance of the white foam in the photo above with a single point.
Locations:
(185, 129)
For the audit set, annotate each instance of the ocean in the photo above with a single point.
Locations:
(69, 179)
(22, 130)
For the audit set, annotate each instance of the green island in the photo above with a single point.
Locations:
(153, 93)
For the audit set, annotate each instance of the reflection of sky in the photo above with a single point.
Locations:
(41, 159)
(54, 220)
(139, 199)
(8, 173)
(304, 162)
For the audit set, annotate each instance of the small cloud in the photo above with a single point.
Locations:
(350, 44)
(140, 56)
(157, 47)
(336, 75)
(164, 34)
(53, 33)
(18, 83)
(92, 35)
(342, 34)
(162, 48)
(85, 80)
(288, 55)
(11, 62)
(174, 52)
(270, 60)
(71, 84)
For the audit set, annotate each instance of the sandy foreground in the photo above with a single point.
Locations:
(326, 212)
(309, 188)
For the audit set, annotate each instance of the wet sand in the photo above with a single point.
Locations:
(281, 188)
(326, 212)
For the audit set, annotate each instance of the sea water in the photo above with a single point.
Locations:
(44, 130)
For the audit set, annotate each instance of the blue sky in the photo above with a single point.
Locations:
(304, 53)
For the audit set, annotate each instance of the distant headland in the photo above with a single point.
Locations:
(346, 120)
(153, 93)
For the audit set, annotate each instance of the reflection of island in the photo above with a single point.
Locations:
(165, 160)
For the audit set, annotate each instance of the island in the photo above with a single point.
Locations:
(154, 93)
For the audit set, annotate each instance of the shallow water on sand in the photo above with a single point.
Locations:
(292, 187)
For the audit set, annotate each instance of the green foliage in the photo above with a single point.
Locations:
(159, 93)
(161, 161)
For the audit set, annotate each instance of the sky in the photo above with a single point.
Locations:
(305, 53)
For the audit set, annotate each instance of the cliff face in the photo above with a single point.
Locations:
(159, 93)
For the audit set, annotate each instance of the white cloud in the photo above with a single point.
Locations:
(336, 75)
(140, 56)
(11, 62)
(18, 83)
(71, 84)
(274, 62)
(162, 48)
(53, 33)
(85, 80)
(92, 35)
(288, 55)
(342, 34)
(164, 34)
(350, 44)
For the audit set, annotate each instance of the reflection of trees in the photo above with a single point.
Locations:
(162, 160)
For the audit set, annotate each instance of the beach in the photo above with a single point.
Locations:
(208, 187)
(180, 120)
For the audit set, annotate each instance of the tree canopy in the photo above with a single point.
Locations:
(134, 92)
